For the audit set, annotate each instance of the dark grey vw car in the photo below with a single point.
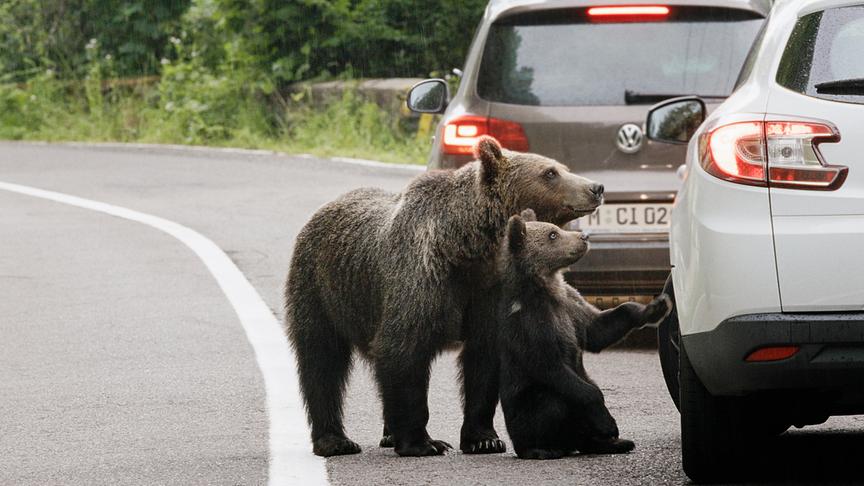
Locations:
(573, 80)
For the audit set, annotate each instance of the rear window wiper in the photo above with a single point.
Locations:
(853, 86)
(636, 98)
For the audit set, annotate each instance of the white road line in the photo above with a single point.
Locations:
(291, 460)
(222, 150)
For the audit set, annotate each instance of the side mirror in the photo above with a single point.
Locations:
(675, 121)
(429, 96)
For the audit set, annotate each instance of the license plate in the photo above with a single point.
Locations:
(626, 218)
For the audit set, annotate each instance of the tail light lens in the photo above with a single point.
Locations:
(736, 153)
(782, 154)
(794, 160)
(461, 133)
(772, 353)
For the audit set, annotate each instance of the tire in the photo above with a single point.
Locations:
(711, 430)
(668, 345)
(767, 427)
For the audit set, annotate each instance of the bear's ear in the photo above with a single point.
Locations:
(488, 151)
(516, 234)
(529, 215)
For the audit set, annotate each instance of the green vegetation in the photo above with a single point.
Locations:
(218, 72)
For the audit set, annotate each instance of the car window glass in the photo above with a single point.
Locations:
(750, 61)
(847, 50)
(826, 47)
(566, 60)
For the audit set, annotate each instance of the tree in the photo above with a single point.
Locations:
(306, 39)
(53, 34)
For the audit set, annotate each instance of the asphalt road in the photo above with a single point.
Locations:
(121, 362)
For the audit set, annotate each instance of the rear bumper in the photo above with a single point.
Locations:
(623, 266)
(830, 359)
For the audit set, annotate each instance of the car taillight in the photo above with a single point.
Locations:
(781, 154)
(619, 13)
(735, 153)
(794, 160)
(772, 353)
(461, 133)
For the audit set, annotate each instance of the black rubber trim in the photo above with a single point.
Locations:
(831, 355)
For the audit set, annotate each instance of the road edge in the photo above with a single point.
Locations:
(290, 460)
(203, 150)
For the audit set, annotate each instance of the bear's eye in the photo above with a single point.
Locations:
(553, 235)
(551, 174)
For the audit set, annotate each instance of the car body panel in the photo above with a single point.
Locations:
(754, 266)
(828, 367)
(820, 262)
(723, 252)
(819, 235)
(722, 246)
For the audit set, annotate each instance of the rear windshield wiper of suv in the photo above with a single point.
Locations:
(636, 98)
(854, 86)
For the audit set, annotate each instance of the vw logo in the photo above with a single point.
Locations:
(629, 138)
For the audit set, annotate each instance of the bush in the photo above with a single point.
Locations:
(36, 35)
(309, 39)
(354, 127)
(222, 67)
(193, 104)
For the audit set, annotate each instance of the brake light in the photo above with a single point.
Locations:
(735, 153)
(772, 353)
(628, 12)
(781, 154)
(461, 134)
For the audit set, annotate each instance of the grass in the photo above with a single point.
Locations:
(193, 107)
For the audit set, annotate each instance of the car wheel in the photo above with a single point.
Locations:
(762, 419)
(770, 428)
(711, 429)
(668, 345)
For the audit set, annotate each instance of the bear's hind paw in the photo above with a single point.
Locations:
(332, 445)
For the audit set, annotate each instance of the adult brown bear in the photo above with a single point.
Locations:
(402, 276)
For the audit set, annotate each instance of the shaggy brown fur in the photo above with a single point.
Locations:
(551, 406)
(401, 276)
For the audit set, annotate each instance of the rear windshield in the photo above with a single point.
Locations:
(563, 58)
(824, 57)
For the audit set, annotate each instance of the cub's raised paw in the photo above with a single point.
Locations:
(607, 446)
(333, 445)
(486, 446)
(657, 310)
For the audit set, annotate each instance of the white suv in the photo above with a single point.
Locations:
(767, 240)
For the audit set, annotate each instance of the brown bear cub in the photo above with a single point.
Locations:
(551, 406)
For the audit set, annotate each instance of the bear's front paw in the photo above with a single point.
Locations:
(483, 446)
(657, 310)
(386, 441)
(607, 446)
(428, 447)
